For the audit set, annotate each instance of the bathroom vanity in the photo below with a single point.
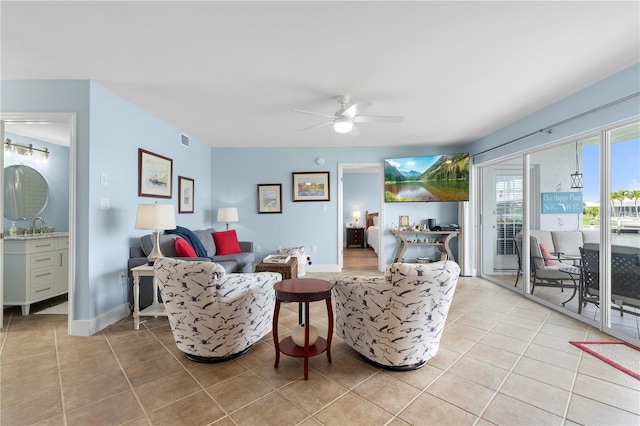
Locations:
(36, 267)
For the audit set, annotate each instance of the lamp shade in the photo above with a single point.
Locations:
(356, 214)
(155, 216)
(342, 125)
(227, 214)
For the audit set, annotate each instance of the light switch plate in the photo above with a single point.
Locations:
(103, 179)
(105, 204)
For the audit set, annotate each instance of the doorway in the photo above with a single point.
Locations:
(59, 127)
(346, 206)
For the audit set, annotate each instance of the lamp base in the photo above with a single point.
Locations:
(155, 253)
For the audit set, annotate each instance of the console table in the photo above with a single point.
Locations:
(437, 239)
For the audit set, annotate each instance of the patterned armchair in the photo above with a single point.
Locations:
(396, 321)
(215, 316)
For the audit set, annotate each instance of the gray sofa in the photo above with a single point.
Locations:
(241, 262)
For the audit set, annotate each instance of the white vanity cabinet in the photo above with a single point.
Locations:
(35, 269)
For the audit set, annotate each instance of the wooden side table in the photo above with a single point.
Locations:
(355, 237)
(156, 309)
(288, 270)
(303, 290)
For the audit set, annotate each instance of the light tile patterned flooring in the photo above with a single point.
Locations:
(502, 360)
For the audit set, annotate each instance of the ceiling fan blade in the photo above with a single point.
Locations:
(353, 109)
(315, 113)
(316, 125)
(378, 118)
(354, 132)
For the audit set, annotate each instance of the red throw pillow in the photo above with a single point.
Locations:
(548, 260)
(184, 249)
(226, 242)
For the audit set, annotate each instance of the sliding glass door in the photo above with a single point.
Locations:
(579, 207)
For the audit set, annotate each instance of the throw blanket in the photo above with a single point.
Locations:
(191, 238)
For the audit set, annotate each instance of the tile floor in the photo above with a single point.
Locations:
(502, 360)
(627, 324)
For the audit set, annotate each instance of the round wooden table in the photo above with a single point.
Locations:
(303, 291)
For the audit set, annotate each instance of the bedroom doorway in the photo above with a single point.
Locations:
(360, 190)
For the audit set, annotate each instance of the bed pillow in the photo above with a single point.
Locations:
(375, 221)
(184, 249)
(226, 242)
(548, 260)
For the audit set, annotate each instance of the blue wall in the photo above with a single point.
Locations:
(237, 171)
(55, 172)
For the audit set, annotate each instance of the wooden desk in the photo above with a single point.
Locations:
(437, 239)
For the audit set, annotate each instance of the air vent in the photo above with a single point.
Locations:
(185, 141)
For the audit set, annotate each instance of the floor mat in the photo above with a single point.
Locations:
(621, 355)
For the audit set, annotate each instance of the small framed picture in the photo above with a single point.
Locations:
(311, 186)
(403, 221)
(270, 198)
(155, 175)
(186, 187)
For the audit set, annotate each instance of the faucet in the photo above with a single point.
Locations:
(33, 224)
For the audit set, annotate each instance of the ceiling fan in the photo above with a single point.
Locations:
(349, 113)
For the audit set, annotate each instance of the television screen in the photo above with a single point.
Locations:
(427, 178)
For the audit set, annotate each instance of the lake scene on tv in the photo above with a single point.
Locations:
(427, 178)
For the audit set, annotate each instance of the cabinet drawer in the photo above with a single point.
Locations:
(42, 291)
(62, 244)
(39, 246)
(40, 260)
(41, 275)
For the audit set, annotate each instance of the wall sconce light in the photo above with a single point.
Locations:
(576, 178)
(11, 147)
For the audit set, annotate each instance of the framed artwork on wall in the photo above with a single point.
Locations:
(311, 186)
(186, 188)
(270, 198)
(155, 175)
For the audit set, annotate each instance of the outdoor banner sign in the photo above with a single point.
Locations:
(561, 202)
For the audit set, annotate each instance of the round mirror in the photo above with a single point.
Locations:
(25, 192)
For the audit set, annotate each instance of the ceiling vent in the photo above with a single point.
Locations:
(185, 141)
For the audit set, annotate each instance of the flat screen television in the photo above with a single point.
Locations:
(427, 178)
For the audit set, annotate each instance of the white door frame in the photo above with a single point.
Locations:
(377, 168)
(52, 116)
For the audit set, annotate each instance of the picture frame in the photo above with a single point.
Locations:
(403, 221)
(311, 186)
(269, 198)
(155, 175)
(186, 191)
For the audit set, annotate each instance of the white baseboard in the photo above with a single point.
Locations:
(92, 326)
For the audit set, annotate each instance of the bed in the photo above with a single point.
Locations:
(373, 231)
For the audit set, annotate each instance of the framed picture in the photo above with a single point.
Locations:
(311, 186)
(186, 186)
(155, 175)
(270, 198)
(403, 221)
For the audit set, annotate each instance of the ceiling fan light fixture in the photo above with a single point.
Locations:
(342, 125)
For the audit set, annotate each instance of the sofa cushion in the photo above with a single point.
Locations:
(226, 242)
(567, 242)
(184, 249)
(206, 238)
(239, 260)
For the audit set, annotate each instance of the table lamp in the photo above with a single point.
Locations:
(155, 217)
(227, 215)
(356, 216)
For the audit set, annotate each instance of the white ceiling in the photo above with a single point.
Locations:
(230, 73)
